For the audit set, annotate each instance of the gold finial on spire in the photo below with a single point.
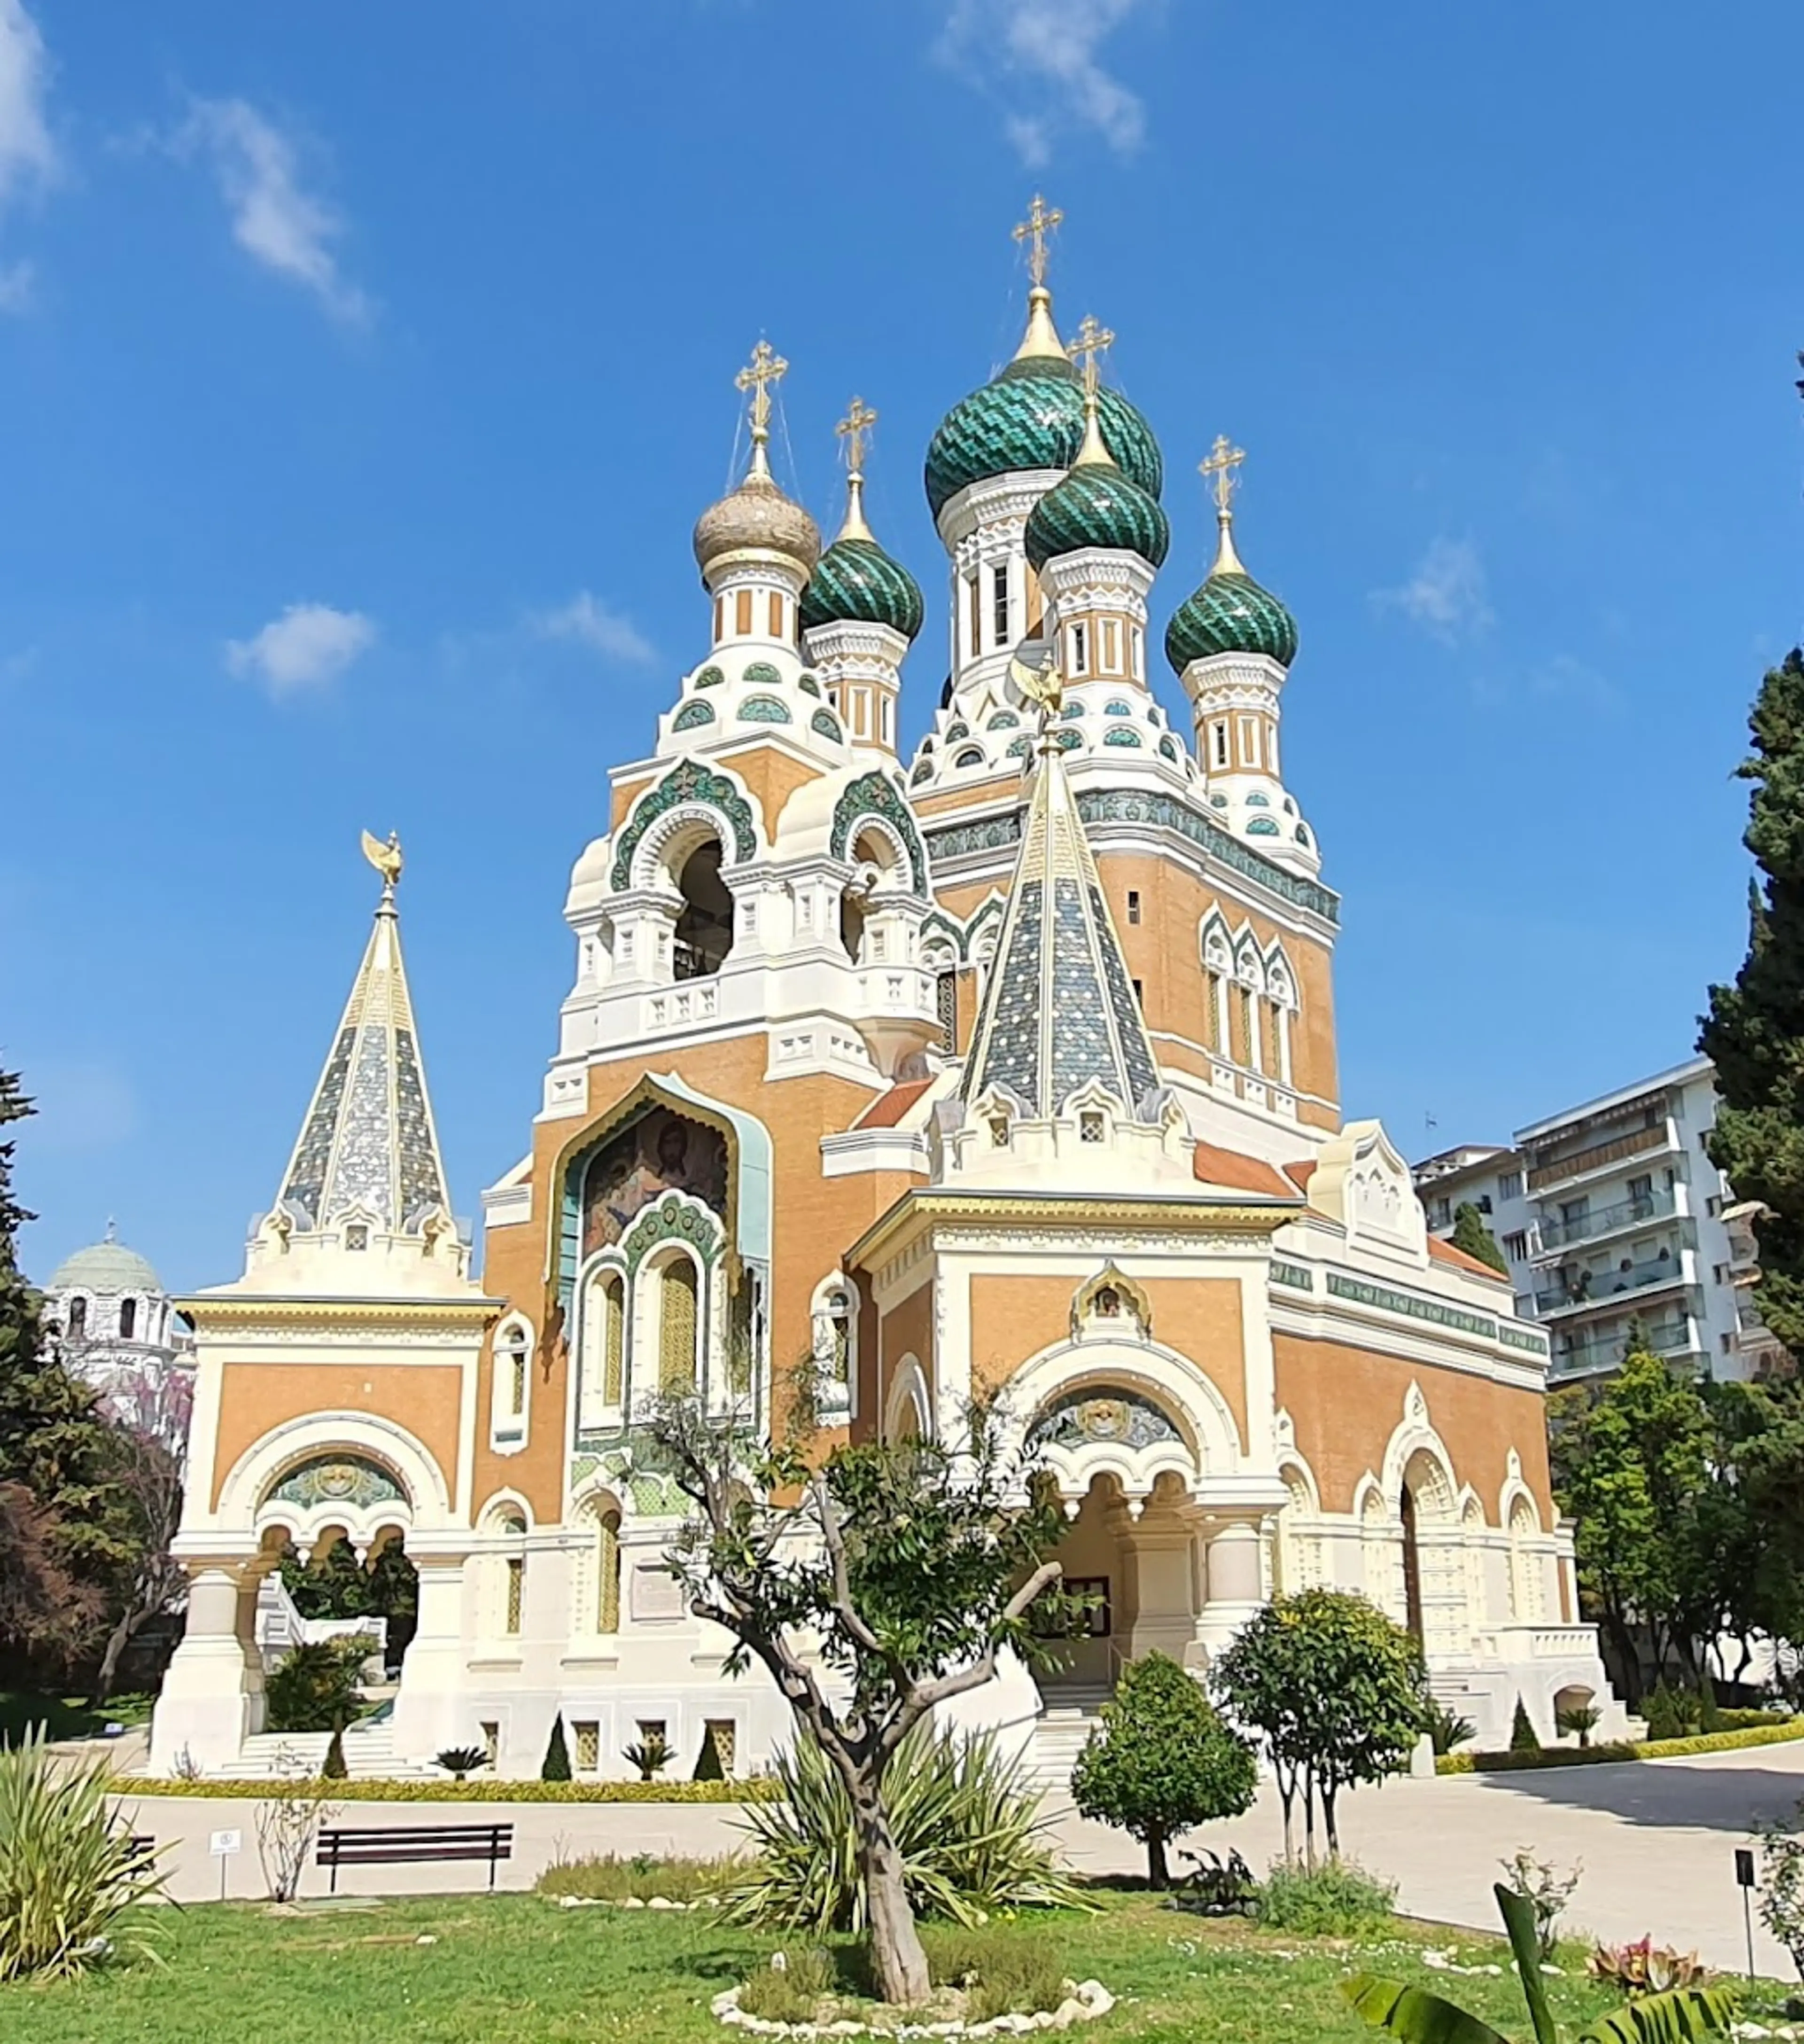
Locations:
(1092, 343)
(854, 429)
(766, 368)
(1037, 231)
(386, 859)
(1042, 336)
(1219, 472)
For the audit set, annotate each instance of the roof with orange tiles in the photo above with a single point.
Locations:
(1247, 1174)
(887, 1110)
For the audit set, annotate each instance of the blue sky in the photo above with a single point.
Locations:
(362, 370)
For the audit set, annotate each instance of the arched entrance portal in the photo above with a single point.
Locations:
(1135, 1562)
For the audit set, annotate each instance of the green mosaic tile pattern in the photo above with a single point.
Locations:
(1230, 614)
(1032, 416)
(856, 579)
(1098, 506)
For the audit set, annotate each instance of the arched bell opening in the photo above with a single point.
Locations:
(703, 935)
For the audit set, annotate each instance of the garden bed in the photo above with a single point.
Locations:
(1618, 1750)
(368, 1790)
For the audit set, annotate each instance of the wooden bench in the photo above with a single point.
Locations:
(141, 1852)
(409, 1845)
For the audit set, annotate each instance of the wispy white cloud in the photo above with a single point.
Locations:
(27, 155)
(308, 646)
(588, 620)
(1447, 597)
(275, 219)
(1043, 59)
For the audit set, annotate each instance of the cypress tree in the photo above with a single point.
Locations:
(557, 1767)
(1523, 1737)
(1754, 1033)
(1471, 1235)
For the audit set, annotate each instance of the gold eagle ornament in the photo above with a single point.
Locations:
(1042, 686)
(385, 858)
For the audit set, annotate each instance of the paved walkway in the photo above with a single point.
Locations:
(1657, 1839)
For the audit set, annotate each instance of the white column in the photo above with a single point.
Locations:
(1234, 1583)
(212, 1698)
(426, 1705)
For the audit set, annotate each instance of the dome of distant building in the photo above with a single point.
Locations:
(104, 1267)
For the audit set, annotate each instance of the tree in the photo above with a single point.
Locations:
(1335, 1690)
(150, 1480)
(556, 1765)
(1523, 1737)
(56, 1446)
(334, 1767)
(1630, 1465)
(1471, 1235)
(883, 1583)
(314, 1686)
(1161, 1761)
(1754, 1032)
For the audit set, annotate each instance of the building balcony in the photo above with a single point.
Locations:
(1589, 1292)
(1601, 1157)
(1591, 1355)
(1557, 1235)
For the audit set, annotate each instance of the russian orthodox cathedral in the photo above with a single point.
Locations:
(1007, 1068)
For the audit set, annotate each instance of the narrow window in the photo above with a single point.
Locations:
(608, 1572)
(861, 712)
(77, 1319)
(1111, 647)
(677, 1328)
(1139, 994)
(1080, 649)
(613, 1339)
(128, 1318)
(1218, 736)
(1090, 1126)
(1133, 904)
(776, 615)
(1249, 741)
(1212, 1009)
(588, 1745)
(888, 721)
(973, 615)
(1036, 603)
(742, 612)
(356, 1235)
(999, 603)
(1138, 641)
(719, 619)
(491, 1734)
(515, 1594)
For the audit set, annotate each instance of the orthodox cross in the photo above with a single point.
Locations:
(853, 429)
(1092, 342)
(766, 368)
(1037, 230)
(1218, 471)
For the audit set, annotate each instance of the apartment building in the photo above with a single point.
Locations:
(1611, 1212)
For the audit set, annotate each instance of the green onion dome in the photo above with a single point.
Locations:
(856, 579)
(1230, 614)
(1098, 505)
(1032, 416)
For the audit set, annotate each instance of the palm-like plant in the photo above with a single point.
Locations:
(971, 1837)
(459, 1761)
(650, 1755)
(1416, 2016)
(1577, 1721)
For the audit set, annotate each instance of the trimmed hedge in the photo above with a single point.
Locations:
(1620, 1750)
(762, 1790)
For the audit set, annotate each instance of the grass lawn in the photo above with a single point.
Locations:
(67, 1717)
(517, 1970)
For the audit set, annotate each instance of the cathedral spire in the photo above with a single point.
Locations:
(1059, 1012)
(367, 1149)
(1041, 337)
(1219, 470)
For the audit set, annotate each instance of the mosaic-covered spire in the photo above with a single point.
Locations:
(1060, 1012)
(368, 1150)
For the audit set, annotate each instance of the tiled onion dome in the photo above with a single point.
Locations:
(1032, 416)
(757, 514)
(857, 580)
(1097, 505)
(1230, 614)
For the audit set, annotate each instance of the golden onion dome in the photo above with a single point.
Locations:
(758, 515)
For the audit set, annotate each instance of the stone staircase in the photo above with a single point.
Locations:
(1063, 1729)
(369, 1755)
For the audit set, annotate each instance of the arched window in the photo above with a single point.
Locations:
(597, 1599)
(78, 1318)
(128, 1318)
(508, 1397)
(1471, 1530)
(1297, 1554)
(505, 1599)
(677, 1325)
(835, 1316)
(604, 1348)
(704, 923)
(1525, 1564)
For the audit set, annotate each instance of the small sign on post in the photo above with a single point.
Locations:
(222, 1844)
(1745, 1880)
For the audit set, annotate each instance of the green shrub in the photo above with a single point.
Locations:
(459, 1761)
(556, 1765)
(412, 1790)
(1745, 1720)
(1670, 1712)
(313, 1687)
(1710, 1718)
(789, 1991)
(1335, 1900)
(709, 1766)
(68, 1868)
(1445, 1728)
(1523, 1737)
(333, 1768)
(1001, 1972)
(1161, 1760)
(970, 1835)
(1577, 1721)
(1622, 1749)
(604, 1877)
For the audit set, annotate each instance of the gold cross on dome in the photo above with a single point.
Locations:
(1218, 469)
(766, 368)
(1037, 229)
(853, 429)
(1092, 342)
